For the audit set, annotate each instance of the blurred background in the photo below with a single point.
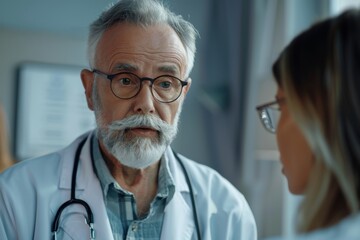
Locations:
(43, 49)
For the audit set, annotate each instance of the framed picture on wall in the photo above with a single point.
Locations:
(51, 109)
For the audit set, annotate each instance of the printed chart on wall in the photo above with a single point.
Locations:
(51, 108)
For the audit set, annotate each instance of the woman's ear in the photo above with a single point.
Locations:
(87, 78)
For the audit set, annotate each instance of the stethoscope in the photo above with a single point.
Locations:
(89, 219)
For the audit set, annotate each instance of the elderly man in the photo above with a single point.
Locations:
(123, 178)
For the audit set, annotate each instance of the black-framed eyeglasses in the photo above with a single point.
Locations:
(126, 85)
(269, 114)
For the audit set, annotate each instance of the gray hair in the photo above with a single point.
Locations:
(143, 13)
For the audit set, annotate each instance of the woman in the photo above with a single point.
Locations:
(5, 156)
(318, 132)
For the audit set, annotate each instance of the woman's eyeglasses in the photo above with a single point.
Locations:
(269, 114)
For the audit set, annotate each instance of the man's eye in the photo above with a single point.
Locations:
(125, 81)
(165, 84)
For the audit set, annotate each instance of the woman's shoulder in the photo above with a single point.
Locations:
(347, 229)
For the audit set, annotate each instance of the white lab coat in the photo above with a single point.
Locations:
(32, 191)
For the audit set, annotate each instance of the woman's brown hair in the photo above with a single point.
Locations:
(319, 72)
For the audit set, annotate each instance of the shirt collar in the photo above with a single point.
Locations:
(101, 170)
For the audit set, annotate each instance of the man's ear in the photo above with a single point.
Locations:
(87, 78)
(187, 87)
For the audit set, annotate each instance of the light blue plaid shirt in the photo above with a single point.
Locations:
(121, 205)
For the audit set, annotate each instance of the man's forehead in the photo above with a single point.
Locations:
(126, 45)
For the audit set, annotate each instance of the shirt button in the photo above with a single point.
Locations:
(134, 227)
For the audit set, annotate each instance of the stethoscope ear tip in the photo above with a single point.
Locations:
(92, 231)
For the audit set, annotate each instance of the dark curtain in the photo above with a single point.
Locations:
(223, 77)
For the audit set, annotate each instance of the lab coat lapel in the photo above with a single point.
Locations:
(87, 188)
(178, 221)
(93, 195)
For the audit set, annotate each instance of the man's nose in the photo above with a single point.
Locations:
(144, 100)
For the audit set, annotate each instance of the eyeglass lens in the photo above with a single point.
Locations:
(270, 117)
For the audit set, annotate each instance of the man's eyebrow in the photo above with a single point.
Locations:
(125, 67)
(169, 69)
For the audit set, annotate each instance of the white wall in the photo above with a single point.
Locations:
(16, 47)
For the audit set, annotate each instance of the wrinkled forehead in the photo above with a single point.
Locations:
(127, 42)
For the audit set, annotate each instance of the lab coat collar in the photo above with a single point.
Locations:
(178, 220)
(85, 165)
(176, 171)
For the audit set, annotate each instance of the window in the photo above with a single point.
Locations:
(338, 6)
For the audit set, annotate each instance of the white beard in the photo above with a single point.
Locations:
(137, 152)
(139, 155)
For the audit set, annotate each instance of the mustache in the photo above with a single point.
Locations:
(145, 121)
